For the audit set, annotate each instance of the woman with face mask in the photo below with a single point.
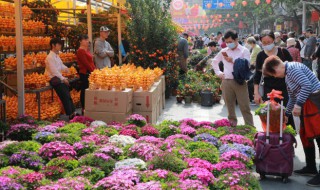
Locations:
(267, 84)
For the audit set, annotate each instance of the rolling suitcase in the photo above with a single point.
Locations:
(274, 151)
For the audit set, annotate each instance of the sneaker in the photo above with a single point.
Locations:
(306, 172)
(314, 182)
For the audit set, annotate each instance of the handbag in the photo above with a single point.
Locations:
(55, 81)
(261, 86)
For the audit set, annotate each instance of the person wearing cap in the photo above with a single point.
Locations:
(294, 52)
(102, 49)
(278, 41)
(54, 69)
(206, 39)
(293, 35)
(213, 48)
(310, 48)
(183, 52)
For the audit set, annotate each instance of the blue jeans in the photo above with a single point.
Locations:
(308, 63)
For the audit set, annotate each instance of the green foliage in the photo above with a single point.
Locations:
(167, 123)
(31, 146)
(167, 131)
(204, 51)
(4, 127)
(168, 161)
(4, 160)
(247, 181)
(205, 130)
(259, 110)
(53, 172)
(67, 163)
(194, 60)
(103, 130)
(68, 138)
(210, 154)
(192, 146)
(43, 139)
(72, 128)
(92, 160)
(93, 174)
(245, 130)
(290, 130)
(42, 123)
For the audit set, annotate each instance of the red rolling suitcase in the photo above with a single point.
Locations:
(274, 152)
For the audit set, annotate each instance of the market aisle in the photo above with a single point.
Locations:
(180, 111)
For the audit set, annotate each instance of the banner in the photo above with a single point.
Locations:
(216, 4)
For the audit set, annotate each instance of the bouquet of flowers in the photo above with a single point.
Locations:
(190, 184)
(76, 183)
(151, 185)
(187, 130)
(54, 172)
(122, 140)
(225, 167)
(48, 128)
(96, 139)
(144, 151)
(26, 159)
(131, 162)
(169, 130)
(129, 132)
(99, 160)
(222, 123)
(199, 163)
(55, 149)
(164, 176)
(111, 150)
(98, 124)
(236, 155)
(8, 183)
(84, 147)
(149, 131)
(190, 122)
(246, 150)
(31, 180)
(152, 140)
(232, 138)
(59, 124)
(137, 120)
(82, 119)
(21, 132)
(44, 137)
(207, 138)
(241, 179)
(14, 172)
(197, 173)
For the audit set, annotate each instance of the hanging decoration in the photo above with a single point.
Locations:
(314, 16)
(220, 4)
(244, 3)
(257, 2)
(236, 14)
(233, 3)
(240, 25)
(268, 1)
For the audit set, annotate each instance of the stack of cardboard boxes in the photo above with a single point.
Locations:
(117, 106)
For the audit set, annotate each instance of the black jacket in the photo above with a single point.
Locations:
(241, 70)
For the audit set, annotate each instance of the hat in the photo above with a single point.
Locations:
(291, 42)
(104, 29)
(277, 34)
(309, 30)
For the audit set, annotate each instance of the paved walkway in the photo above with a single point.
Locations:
(180, 111)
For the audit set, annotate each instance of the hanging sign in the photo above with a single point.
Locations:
(217, 4)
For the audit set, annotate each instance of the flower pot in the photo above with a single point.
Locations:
(206, 98)
(179, 99)
(174, 92)
(195, 98)
(217, 98)
(188, 99)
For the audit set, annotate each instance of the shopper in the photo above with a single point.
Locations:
(86, 66)
(200, 43)
(294, 52)
(302, 41)
(213, 48)
(219, 38)
(54, 69)
(310, 48)
(317, 56)
(293, 35)
(269, 83)
(278, 41)
(304, 100)
(255, 49)
(125, 50)
(183, 53)
(231, 90)
(102, 49)
(206, 39)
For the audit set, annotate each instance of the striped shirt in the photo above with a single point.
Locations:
(301, 82)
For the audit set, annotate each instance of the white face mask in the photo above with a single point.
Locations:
(268, 47)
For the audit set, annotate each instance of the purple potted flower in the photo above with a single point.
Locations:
(56, 149)
(137, 120)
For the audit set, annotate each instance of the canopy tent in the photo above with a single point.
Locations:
(67, 13)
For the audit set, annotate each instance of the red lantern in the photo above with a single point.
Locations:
(228, 15)
(257, 2)
(220, 16)
(244, 3)
(268, 1)
(220, 4)
(233, 3)
(240, 25)
(314, 16)
(236, 14)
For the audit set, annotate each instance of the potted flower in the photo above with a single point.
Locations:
(188, 93)
(179, 97)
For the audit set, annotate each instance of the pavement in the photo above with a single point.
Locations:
(176, 111)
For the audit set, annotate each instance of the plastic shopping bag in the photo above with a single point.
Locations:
(297, 123)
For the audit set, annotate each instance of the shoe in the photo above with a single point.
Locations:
(306, 172)
(314, 182)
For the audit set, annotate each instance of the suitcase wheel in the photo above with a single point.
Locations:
(262, 176)
(285, 179)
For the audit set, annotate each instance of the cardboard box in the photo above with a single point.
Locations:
(151, 117)
(107, 116)
(146, 101)
(109, 101)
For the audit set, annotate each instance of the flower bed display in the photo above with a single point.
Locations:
(182, 155)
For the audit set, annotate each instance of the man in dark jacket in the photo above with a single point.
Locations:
(310, 48)
(183, 52)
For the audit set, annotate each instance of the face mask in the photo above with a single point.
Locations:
(231, 45)
(248, 46)
(268, 47)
